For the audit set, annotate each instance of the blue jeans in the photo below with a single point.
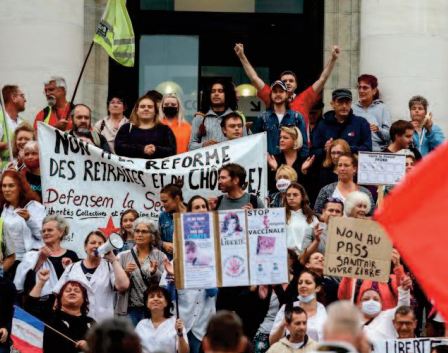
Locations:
(136, 314)
(194, 343)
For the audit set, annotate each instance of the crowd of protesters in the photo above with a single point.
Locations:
(312, 169)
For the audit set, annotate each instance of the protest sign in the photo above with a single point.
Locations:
(414, 345)
(380, 168)
(357, 248)
(233, 243)
(198, 250)
(91, 188)
(266, 229)
(249, 248)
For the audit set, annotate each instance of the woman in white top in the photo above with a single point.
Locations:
(22, 214)
(161, 332)
(109, 126)
(300, 217)
(378, 323)
(309, 285)
(52, 257)
(100, 276)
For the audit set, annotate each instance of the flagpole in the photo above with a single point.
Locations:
(80, 74)
(66, 337)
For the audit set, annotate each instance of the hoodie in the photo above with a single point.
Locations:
(378, 114)
(355, 130)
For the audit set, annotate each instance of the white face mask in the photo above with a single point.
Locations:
(307, 299)
(282, 184)
(371, 307)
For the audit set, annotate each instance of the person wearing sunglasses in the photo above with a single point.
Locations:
(372, 108)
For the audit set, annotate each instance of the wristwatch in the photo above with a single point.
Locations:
(180, 334)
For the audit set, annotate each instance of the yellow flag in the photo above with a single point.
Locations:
(115, 34)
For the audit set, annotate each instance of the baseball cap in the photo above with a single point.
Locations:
(341, 93)
(279, 83)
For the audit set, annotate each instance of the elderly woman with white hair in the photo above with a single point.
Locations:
(144, 266)
(357, 205)
(52, 257)
(32, 170)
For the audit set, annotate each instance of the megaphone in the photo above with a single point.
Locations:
(114, 242)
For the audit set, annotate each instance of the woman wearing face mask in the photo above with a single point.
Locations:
(284, 176)
(145, 136)
(32, 170)
(300, 217)
(357, 205)
(389, 291)
(378, 321)
(291, 142)
(173, 116)
(309, 285)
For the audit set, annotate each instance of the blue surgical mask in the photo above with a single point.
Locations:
(371, 307)
(307, 299)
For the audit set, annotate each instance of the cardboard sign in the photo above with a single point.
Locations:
(415, 345)
(380, 168)
(230, 248)
(357, 248)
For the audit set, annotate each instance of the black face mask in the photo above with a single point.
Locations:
(170, 112)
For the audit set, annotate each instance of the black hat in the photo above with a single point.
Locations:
(279, 83)
(341, 93)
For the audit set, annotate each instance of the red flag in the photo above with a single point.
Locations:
(415, 217)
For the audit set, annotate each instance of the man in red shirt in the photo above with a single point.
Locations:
(58, 110)
(302, 102)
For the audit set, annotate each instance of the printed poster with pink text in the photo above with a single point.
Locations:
(267, 246)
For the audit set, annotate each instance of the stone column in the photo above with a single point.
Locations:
(95, 82)
(341, 27)
(40, 39)
(405, 44)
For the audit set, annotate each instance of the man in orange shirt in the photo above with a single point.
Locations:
(58, 110)
(302, 102)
